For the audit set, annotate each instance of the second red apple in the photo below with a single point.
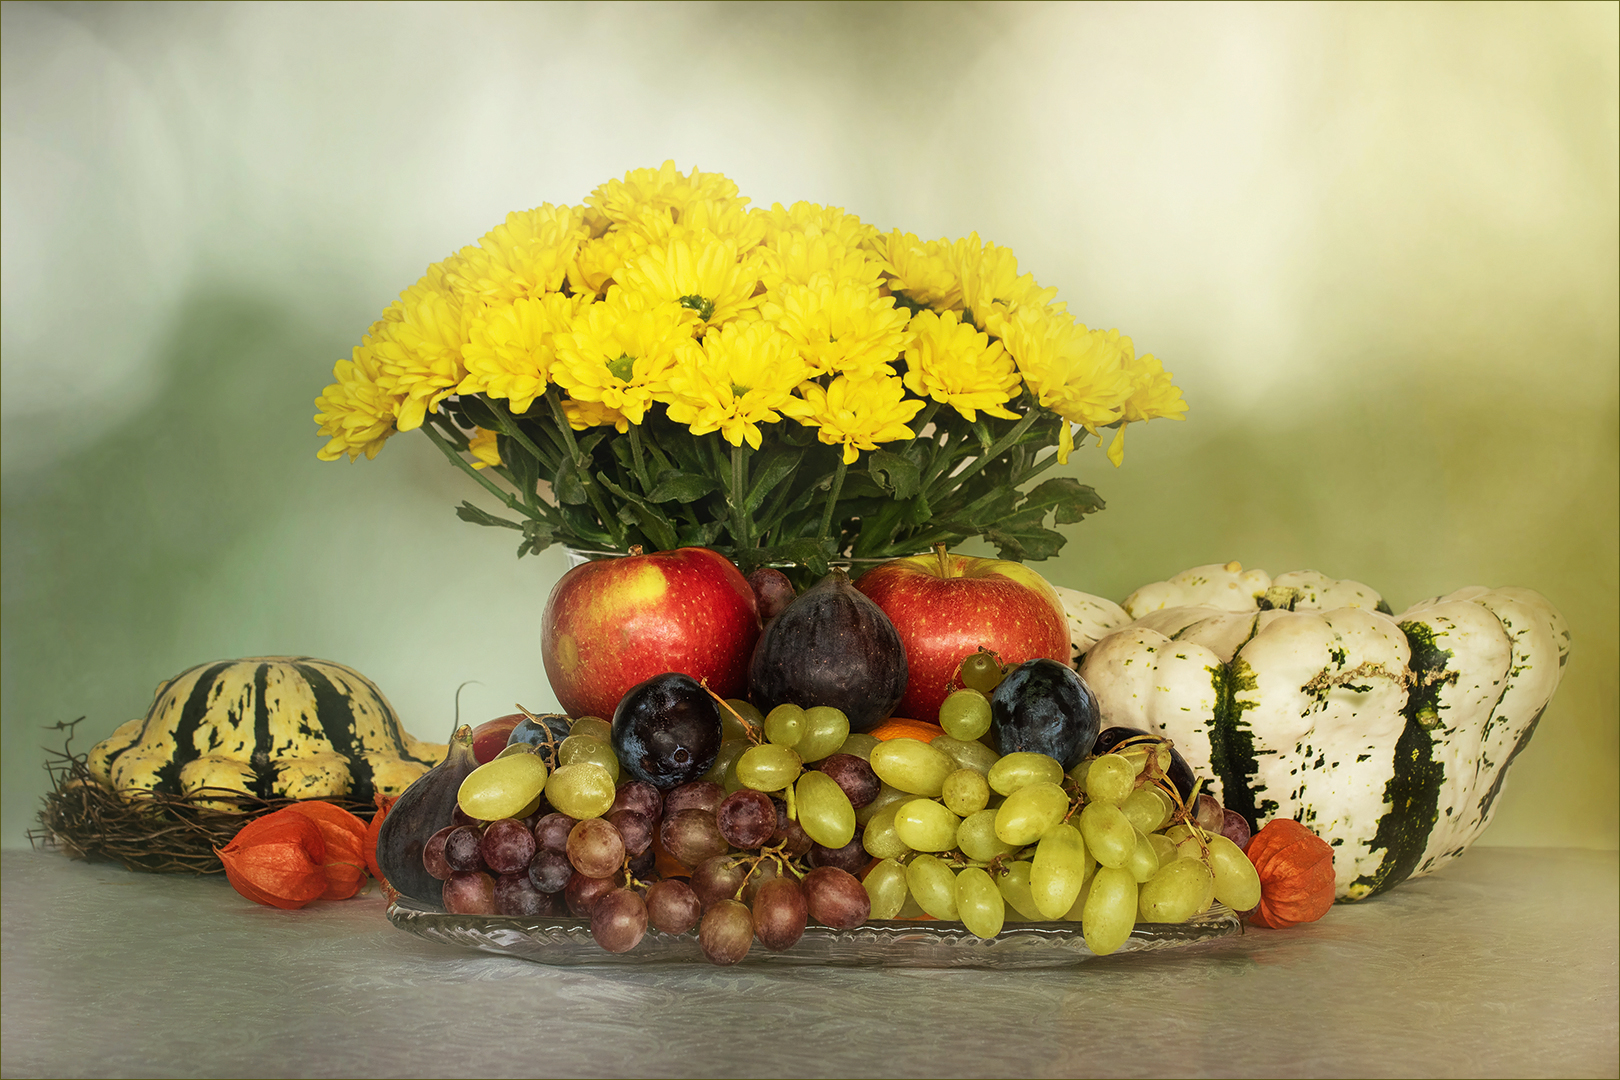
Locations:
(946, 607)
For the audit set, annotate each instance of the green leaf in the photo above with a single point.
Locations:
(681, 487)
(700, 535)
(772, 470)
(468, 512)
(1069, 498)
(520, 465)
(537, 536)
(894, 473)
(1021, 537)
(569, 485)
(477, 412)
(644, 515)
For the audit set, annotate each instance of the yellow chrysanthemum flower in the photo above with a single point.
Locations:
(510, 351)
(811, 219)
(528, 255)
(859, 413)
(1082, 375)
(419, 348)
(744, 376)
(1153, 397)
(663, 192)
(356, 413)
(620, 351)
(701, 274)
(484, 449)
(589, 414)
(956, 364)
(991, 287)
(843, 327)
(927, 272)
(594, 267)
(799, 258)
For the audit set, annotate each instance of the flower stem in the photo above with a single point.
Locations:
(636, 458)
(997, 449)
(832, 499)
(460, 462)
(738, 497)
(612, 524)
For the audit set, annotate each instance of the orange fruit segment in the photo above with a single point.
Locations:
(899, 727)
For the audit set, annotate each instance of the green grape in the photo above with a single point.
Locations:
(976, 837)
(886, 887)
(588, 748)
(1180, 890)
(1110, 911)
(933, 886)
(785, 725)
(1236, 883)
(965, 792)
(824, 810)
(925, 825)
(981, 672)
(825, 729)
(1021, 769)
(1163, 847)
(1029, 812)
(1110, 779)
(740, 720)
(1148, 808)
(911, 909)
(730, 751)
(911, 765)
(1058, 870)
(518, 748)
(594, 726)
(1077, 910)
(879, 838)
(979, 904)
(768, 767)
(581, 790)
(965, 715)
(1144, 860)
(500, 788)
(1014, 886)
(859, 745)
(733, 783)
(1110, 836)
(966, 755)
(887, 796)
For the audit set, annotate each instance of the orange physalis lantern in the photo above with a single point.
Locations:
(277, 860)
(1296, 874)
(345, 836)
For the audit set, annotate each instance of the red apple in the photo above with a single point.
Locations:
(614, 623)
(946, 607)
(489, 738)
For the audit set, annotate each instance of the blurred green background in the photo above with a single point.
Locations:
(1375, 244)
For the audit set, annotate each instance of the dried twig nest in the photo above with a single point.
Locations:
(152, 831)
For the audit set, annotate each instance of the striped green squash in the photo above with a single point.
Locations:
(271, 726)
(1388, 735)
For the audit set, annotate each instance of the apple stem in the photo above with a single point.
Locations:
(944, 561)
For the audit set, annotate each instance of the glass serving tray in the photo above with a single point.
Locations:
(881, 943)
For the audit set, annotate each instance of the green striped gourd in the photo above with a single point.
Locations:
(1387, 735)
(271, 726)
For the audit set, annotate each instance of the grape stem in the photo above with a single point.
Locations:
(748, 728)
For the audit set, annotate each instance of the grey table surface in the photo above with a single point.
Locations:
(1502, 964)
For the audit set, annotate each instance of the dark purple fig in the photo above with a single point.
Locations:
(422, 810)
(832, 646)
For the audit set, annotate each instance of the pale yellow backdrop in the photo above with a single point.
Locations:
(1376, 245)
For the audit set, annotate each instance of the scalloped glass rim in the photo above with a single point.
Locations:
(881, 943)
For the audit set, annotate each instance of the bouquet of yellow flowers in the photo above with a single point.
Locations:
(665, 366)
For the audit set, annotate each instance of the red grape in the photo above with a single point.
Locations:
(640, 796)
(718, 878)
(726, 932)
(1236, 828)
(595, 848)
(772, 592)
(851, 858)
(469, 892)
(673, 907)
(551, 832)
(635, 829)
(515, 894)
(691, 836)
(462, 849)
(549, 871)
(780, 913)
(583, 892)
(859, 783)
(507, 846)
(433, 854)
(746, 818)
(619, 920)
(836, 898)
(697, 795)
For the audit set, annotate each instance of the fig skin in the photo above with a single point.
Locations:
(422, 810)
(831, 646)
